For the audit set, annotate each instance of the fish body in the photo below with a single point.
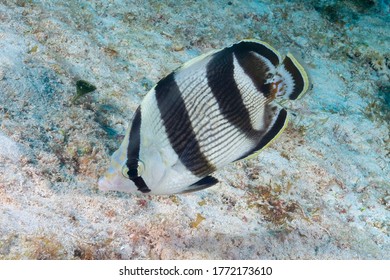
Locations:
(213, 110)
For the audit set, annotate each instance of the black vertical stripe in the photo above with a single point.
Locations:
(253, 66)
(178, 127)
(256, 70)
(220, 77)
(133, 148)
(133, 151)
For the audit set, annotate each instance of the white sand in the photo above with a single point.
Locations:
(320, 191)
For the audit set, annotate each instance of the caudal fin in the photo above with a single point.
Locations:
(295, 77)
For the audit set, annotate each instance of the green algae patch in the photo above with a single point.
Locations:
(33, 50)
(82, 88)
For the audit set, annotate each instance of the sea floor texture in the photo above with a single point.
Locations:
(320, 191)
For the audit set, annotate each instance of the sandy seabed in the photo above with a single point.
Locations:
(320, 191)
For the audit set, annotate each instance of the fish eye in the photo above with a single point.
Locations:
(125, 169)
(140, 169)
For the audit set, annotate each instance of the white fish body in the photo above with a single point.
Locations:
(215, 109)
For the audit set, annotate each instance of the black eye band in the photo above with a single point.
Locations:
(140, 183)
(133, 153)
(133, 176)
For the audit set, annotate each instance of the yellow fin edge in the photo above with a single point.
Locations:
(265, 44)
(196, 59)
(203, 56)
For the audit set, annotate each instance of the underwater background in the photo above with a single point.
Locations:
(320, 191)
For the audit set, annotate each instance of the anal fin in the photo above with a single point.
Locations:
(203, 183)
(277, 126)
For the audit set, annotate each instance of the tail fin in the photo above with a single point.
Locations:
(296, 80)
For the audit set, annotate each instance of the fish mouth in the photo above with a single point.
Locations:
(103, 184)
(116, 182)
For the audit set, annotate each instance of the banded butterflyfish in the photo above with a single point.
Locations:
(213, 110)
